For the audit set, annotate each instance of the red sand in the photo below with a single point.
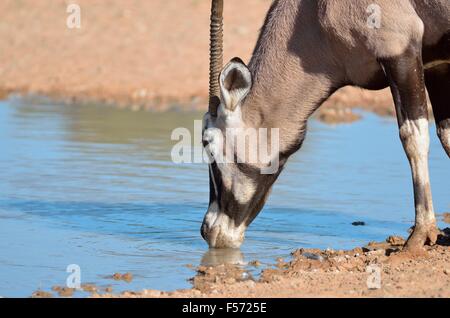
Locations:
(139, 54)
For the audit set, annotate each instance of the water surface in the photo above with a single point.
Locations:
(95, 186)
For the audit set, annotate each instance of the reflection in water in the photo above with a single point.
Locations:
(229, 256)
(95, 186)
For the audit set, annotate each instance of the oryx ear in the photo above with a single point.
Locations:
(235, 83)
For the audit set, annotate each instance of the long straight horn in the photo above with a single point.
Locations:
(215, 55)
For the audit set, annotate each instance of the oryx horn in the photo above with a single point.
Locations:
(215, 55)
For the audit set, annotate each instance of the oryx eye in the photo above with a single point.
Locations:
(209, 151)
(212, 142)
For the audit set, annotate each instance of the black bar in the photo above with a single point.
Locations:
(223, 307)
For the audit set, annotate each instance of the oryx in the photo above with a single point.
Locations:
(307, 49)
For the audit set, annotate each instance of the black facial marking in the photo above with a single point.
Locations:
(215, 183)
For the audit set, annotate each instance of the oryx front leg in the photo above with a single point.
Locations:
(406, 78)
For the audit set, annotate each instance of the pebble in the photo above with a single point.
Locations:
(152, 293)
(108, 290)
(375, 253)
(340, 259)
(251, 284)
(41, 294)
(255, 263)
(89, 288)
(127, 277)
(63, 291)
(395, 240)
(312, 256)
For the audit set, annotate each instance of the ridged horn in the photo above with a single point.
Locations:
(215, 55)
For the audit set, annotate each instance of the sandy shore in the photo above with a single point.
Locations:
(377, 270)
(138, 54)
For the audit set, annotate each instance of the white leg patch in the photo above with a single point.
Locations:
(416, 141)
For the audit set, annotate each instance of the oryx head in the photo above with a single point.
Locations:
(243, 160)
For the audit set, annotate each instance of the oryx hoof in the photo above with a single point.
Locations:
(421, 236)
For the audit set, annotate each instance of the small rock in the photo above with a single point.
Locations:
(446, 217)
(90, 288)
(66, 292)
(41, 294)
(108, 289)
(359, 223)
(447, 271)
(152, 293)
(312, 256)
(251, 284)
(396, 240)
(127, 277)
(330, 251)
(255, 263)
(117, 276)
(231, 280)
(375, 253)
(63, 291)
(245, 275)
(339, 259)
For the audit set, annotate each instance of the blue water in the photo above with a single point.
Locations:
(95, 186)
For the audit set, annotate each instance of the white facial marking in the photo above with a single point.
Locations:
(230, 118)
(212, 213)
(223, 231)
(214, 138)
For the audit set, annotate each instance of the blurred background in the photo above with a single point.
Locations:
(133, 53)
